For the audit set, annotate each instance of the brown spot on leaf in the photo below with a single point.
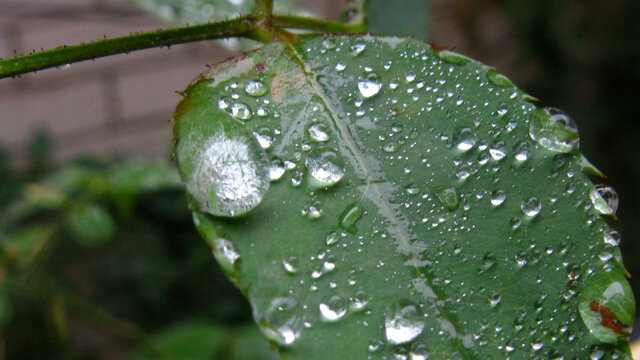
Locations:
(285, 82)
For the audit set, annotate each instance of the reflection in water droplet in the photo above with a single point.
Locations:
(403, 322)
(464, 138)
(606, 306)
(225, 254)
(350, 216)
(333, 309)
(318, 132)
(554, 130)
(231, 173)
(256, 88)
(369, 87)
(281, 323)
(604, 199)
(240, 111)
(531, 207)
(498, 197)
(325, 170)
(448, 196)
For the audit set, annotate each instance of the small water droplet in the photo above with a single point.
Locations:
(240, 111)
(276, 170)
(225, 254)
(340, 66)
(290, 265)
(521, 151)
(332, 238)
(611, 237)
(464, 138)
(604, 199)
(369, 88)
(333, 309)
(357, 48)
(488, 261)
(531, 207)
(280, 322)
(350, 216)
(403, 322)
(448, 196)
(498, 197)
(358, 301)
(494, 299)
(325, 169)
(318, 132)
(255, 88)
(390, 147)
(498, 150)
(554, 130)
(418, 351)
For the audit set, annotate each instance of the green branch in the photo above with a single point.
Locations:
(299, 22)
(70, 54)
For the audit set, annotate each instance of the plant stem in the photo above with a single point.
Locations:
(69, 54)
(299, 22)
(263, 8)
(355, 13)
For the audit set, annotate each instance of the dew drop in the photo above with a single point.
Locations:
(448, 196)
(255, 88)
(280, 322)
(276, 170)
(531, 207)
(554, 130)
(418, 352)
(604, 199)
(453, 57)
(231, 172)
(464, 138)
(240, 111)
(369, 87)
(611, 237)
(403, 322)
(499, 79)
(290, 265)
(498, 150)
(325, 170)
(498, 197)
(333, 309)
(357, 48)
(521, 151)
(225, 254)
(340, 66)
(350, 216)
(358, 301)
(494, 299)
(318, 132)
(332, 238)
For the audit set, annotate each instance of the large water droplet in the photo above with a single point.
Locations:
(448, 196)
(554, 130)
(498, 150)
(418, 351)
(498, 197)
(240, 111)
(256, 88)
(350, 216)
(604, 199)
(611, 237)
(231, 171)
(359, 301)
(281, 323)
(369, 87)
(464, 138)
(333, 309)
(318, 132)
(531, 207)
(403, 322)
(607, 307)
(325, 169)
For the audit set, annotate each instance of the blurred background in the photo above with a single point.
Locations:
(126, 267)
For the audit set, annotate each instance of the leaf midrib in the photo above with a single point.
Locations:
(402, 233)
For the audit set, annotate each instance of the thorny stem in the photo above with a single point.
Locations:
(257, 26)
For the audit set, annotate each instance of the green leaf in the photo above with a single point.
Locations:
(194, 340)
(419, 206)
(135, 177)
(399, 17)
(249, 344)
(91, 225)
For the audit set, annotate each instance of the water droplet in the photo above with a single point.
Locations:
(498, 150)
(498, 197)
(390, 147)
(604, 199)
(611, 237)
(531, 207)
(498, 79)
(554, 130)
(403, 322)
(418, 352)
(494, 299)
(276, 170)
(488, 261)
(350, 216)
(231, 174)
(329, 43)
(318, 132)
(521, 151)
(453, 57)
(448, 196)
(358, 301)
(413, 189)
(290, 265)
(240, 111)
(333, 309)
(325, 170)
(464, 138)
(225, 254)
(281, 323)
(606, 306)
(357, 48)
(332, 238)
(264, 137)
(340, 66)
(255, 88)
(369, 87)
